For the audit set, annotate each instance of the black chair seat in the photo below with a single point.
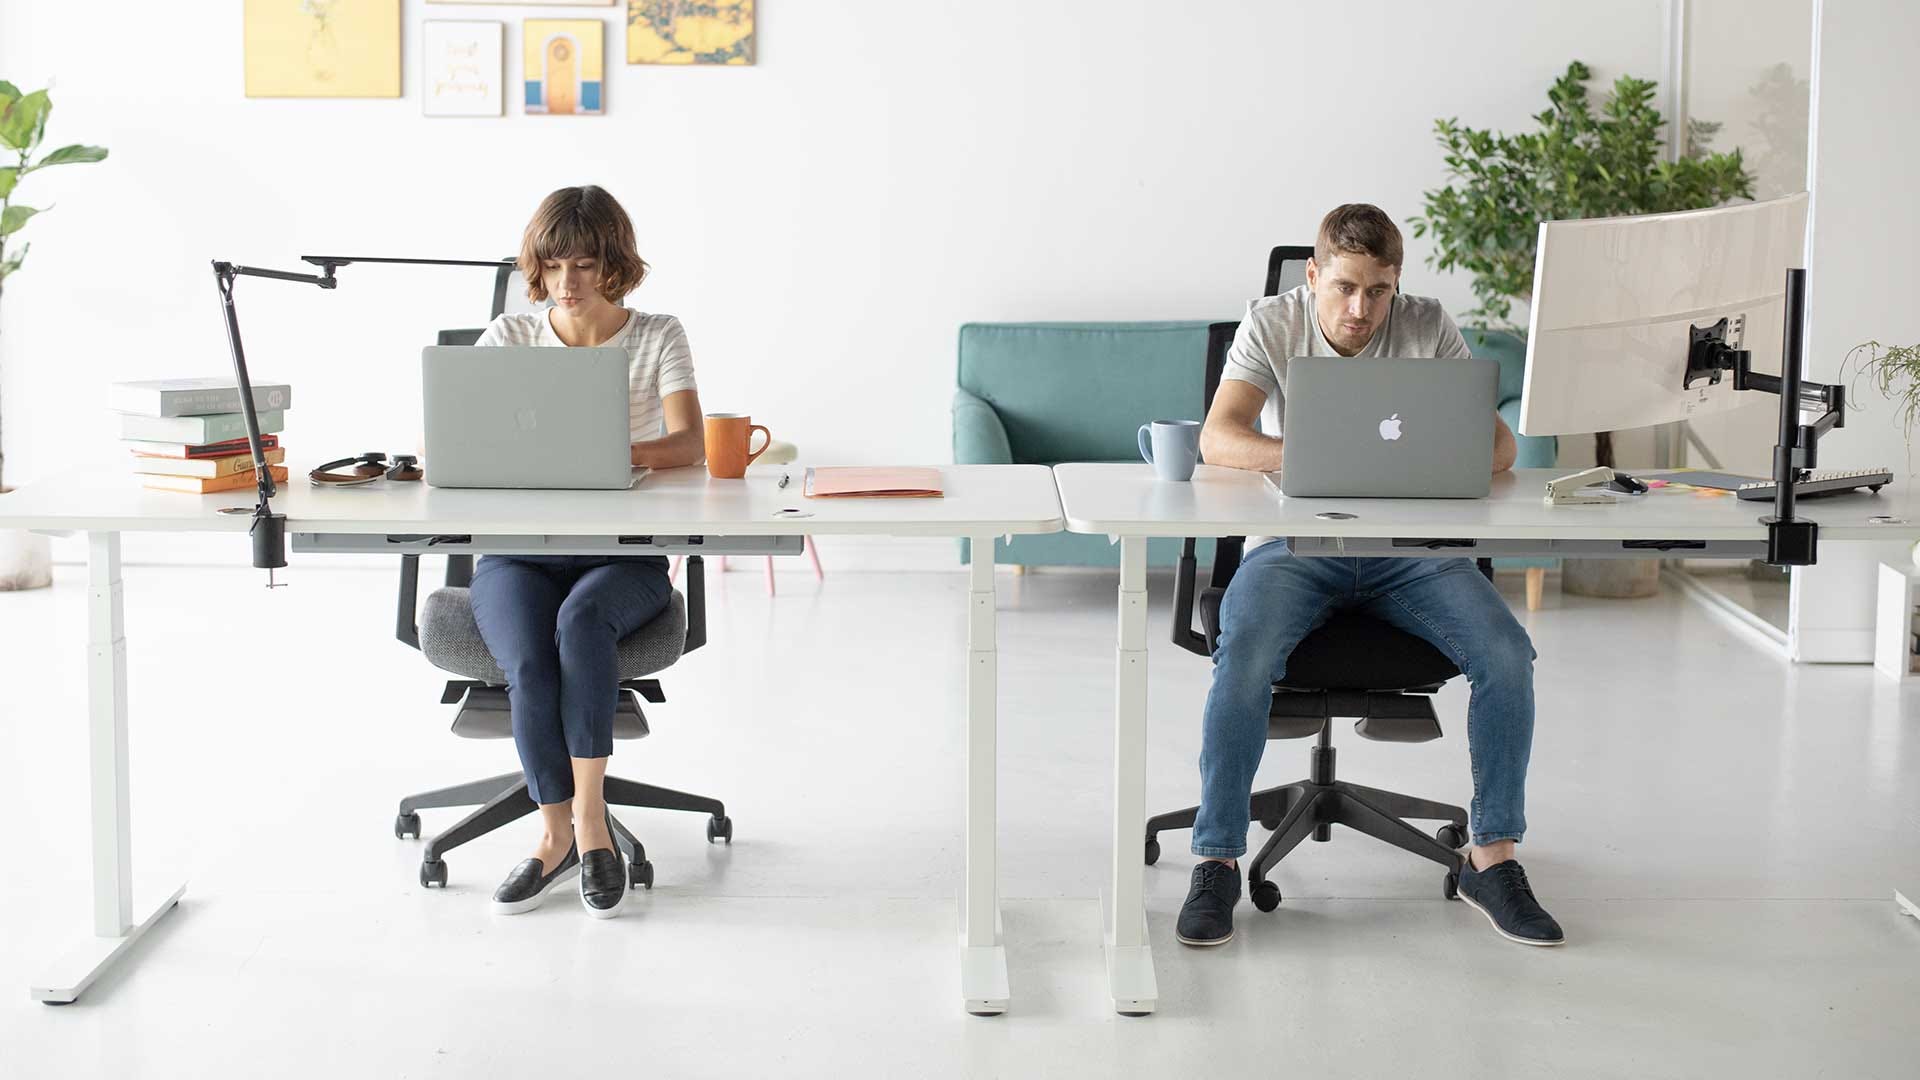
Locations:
(1356, 652)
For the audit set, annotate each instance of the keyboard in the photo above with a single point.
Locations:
(1819, 483)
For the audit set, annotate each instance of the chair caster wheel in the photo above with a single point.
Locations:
(1269, 823)
(405, 825)
(640, 875)
(433, 872)
(1153, 850)
(1266, 895)
(1451, 887)
(720, 828)
(1451, 835)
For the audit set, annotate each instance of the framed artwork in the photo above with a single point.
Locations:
(461, 71)
(322, 48)
(564, 60)
(689, 31)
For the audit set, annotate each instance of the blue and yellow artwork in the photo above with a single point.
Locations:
(565, 61)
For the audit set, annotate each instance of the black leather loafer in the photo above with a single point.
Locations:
(603, 882)
(527, 886)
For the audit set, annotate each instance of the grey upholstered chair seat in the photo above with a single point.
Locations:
(451, 641)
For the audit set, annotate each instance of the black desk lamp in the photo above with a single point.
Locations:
(269, 530)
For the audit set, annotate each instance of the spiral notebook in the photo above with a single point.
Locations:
(874, 483)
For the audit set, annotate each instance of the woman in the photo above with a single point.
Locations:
(553, 622)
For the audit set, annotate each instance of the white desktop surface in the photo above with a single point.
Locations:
(996, 499)
(1129, 500)
(981, 502)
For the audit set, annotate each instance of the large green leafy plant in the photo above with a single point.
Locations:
(1581, 163)
(23, 121)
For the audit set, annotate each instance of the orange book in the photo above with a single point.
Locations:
(201, 485)
(211, 468)
(882, 483)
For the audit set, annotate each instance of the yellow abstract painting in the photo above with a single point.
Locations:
(690, 31)
(322, 48)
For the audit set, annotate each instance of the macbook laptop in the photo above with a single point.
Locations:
(526, 417)
(1388, 427)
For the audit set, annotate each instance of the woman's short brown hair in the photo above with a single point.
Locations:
(582, 222)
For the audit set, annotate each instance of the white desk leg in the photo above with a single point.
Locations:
(1129, 958)
(983, 959)
(113, 912)
(1907, 902)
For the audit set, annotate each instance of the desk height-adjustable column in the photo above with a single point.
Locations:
(1129, 958)
(114, 928)
(983, 957)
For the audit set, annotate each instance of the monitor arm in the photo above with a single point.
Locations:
(1790, 541)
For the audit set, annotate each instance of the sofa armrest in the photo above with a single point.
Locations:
(979, 438)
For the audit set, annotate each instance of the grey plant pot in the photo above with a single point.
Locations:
(1614, 579)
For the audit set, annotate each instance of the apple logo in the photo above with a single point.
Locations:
(526, 420)
(1390, 427)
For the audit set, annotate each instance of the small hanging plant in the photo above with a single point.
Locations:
(1894, 370)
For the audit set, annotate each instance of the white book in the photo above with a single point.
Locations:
(197, 430)
(193, 397)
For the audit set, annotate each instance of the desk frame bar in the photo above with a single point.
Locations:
(1410, 548)
(474, 544)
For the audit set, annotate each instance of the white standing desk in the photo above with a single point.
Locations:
(676, 511)
(1128, 502)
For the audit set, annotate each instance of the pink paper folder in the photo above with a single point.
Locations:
(880, 483)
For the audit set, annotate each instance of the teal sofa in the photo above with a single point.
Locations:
(1047, 392)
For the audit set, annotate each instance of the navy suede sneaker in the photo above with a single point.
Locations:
(1501, 893)
(1207, 916)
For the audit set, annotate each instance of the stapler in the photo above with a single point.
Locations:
(1568, 490)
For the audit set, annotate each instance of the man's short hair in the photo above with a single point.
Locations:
(1358, 229)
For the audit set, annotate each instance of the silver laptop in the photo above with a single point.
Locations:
(526, 417)
(1388, 427)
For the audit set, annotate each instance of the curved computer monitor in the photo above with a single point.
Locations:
(1616, 301)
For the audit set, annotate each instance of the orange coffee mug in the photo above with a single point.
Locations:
(730, 444)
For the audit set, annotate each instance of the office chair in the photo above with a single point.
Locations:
(1354, 666)
(450, 639)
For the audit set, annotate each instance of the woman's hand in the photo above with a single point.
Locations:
(685, 442)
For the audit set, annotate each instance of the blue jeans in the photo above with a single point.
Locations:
(554, 623)
(1276, 599)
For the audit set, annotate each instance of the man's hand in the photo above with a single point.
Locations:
(1505, 449)
(1229, 437)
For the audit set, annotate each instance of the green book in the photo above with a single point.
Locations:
(197, 430)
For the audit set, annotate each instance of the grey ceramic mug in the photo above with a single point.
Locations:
(1172, 447)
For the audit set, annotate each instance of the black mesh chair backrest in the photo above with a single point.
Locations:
(1286, 268)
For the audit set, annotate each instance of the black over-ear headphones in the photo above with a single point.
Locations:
(365, 469)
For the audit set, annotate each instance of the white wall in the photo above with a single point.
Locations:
(1861, 281)
(822, 222)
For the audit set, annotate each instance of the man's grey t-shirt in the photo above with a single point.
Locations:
(1280, 327)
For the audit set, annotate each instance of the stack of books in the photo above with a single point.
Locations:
(190, 435)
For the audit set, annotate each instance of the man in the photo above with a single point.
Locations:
(1351, 306)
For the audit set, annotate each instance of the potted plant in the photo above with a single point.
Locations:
(25, 558)
(1582, 162)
